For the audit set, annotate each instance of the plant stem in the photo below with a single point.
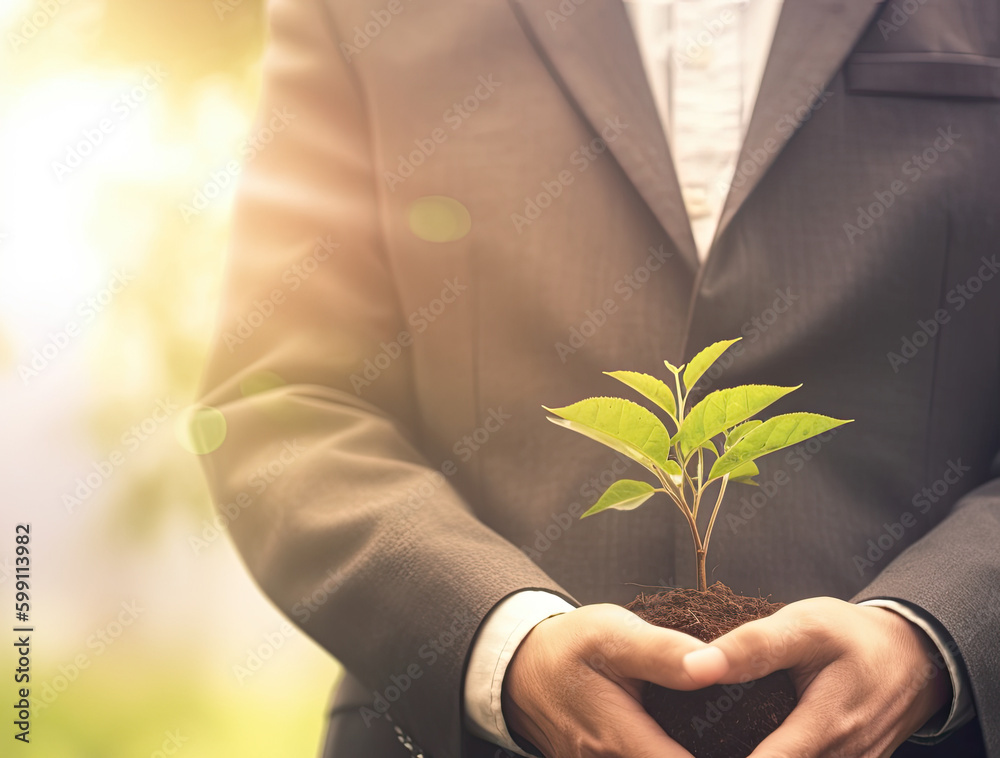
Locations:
(671, 489)
(715, 510)
(681, 397)
(686, 477)
(668, 485)
(681, 503)
(697, 494)
(691, 513)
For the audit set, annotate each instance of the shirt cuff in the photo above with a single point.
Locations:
(499, 636)
(962, 710)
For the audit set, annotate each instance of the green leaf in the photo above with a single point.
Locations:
(621, 425)
(704, 360)
(739, 432)
(673, 369)
(710, 447)
(623, 495)
(724, 409)
(673, 468)
(744, 473)
(774, 434)
(607, 440)
(649, 387)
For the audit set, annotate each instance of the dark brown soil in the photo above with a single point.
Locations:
(722, 721)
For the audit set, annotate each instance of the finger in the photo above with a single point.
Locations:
(837, 717)
(789, 638)
(829, 722)
(645, 739)
(806, 733)
(637, 735)
(635, 649)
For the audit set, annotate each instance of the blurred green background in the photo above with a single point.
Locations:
(150, 639)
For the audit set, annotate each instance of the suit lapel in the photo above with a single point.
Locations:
(811, 41)
(592, 54)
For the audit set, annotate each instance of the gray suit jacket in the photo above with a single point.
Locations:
(389, 475)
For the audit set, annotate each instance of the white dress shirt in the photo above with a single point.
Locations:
(704, 60)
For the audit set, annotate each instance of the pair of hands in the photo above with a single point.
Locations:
(865, 677)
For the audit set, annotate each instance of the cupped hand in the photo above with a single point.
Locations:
(867, 678)
(574, 685)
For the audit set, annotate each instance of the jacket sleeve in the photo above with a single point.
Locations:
(336, 513)
(953, 574)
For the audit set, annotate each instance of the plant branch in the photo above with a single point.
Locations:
(715, 510)
(679, 500)
(681, 397)
(671, 489)
(691, 512)
(701, 487)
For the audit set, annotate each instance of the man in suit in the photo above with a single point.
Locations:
(475, 209)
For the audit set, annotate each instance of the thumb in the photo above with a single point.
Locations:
(650, 653)
(751, 651)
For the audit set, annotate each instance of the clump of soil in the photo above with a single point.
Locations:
(721, 721)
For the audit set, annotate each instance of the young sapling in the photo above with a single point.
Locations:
(717, 441)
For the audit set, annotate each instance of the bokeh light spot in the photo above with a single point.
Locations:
(438, 218)
(201, 429)
(260, 381)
